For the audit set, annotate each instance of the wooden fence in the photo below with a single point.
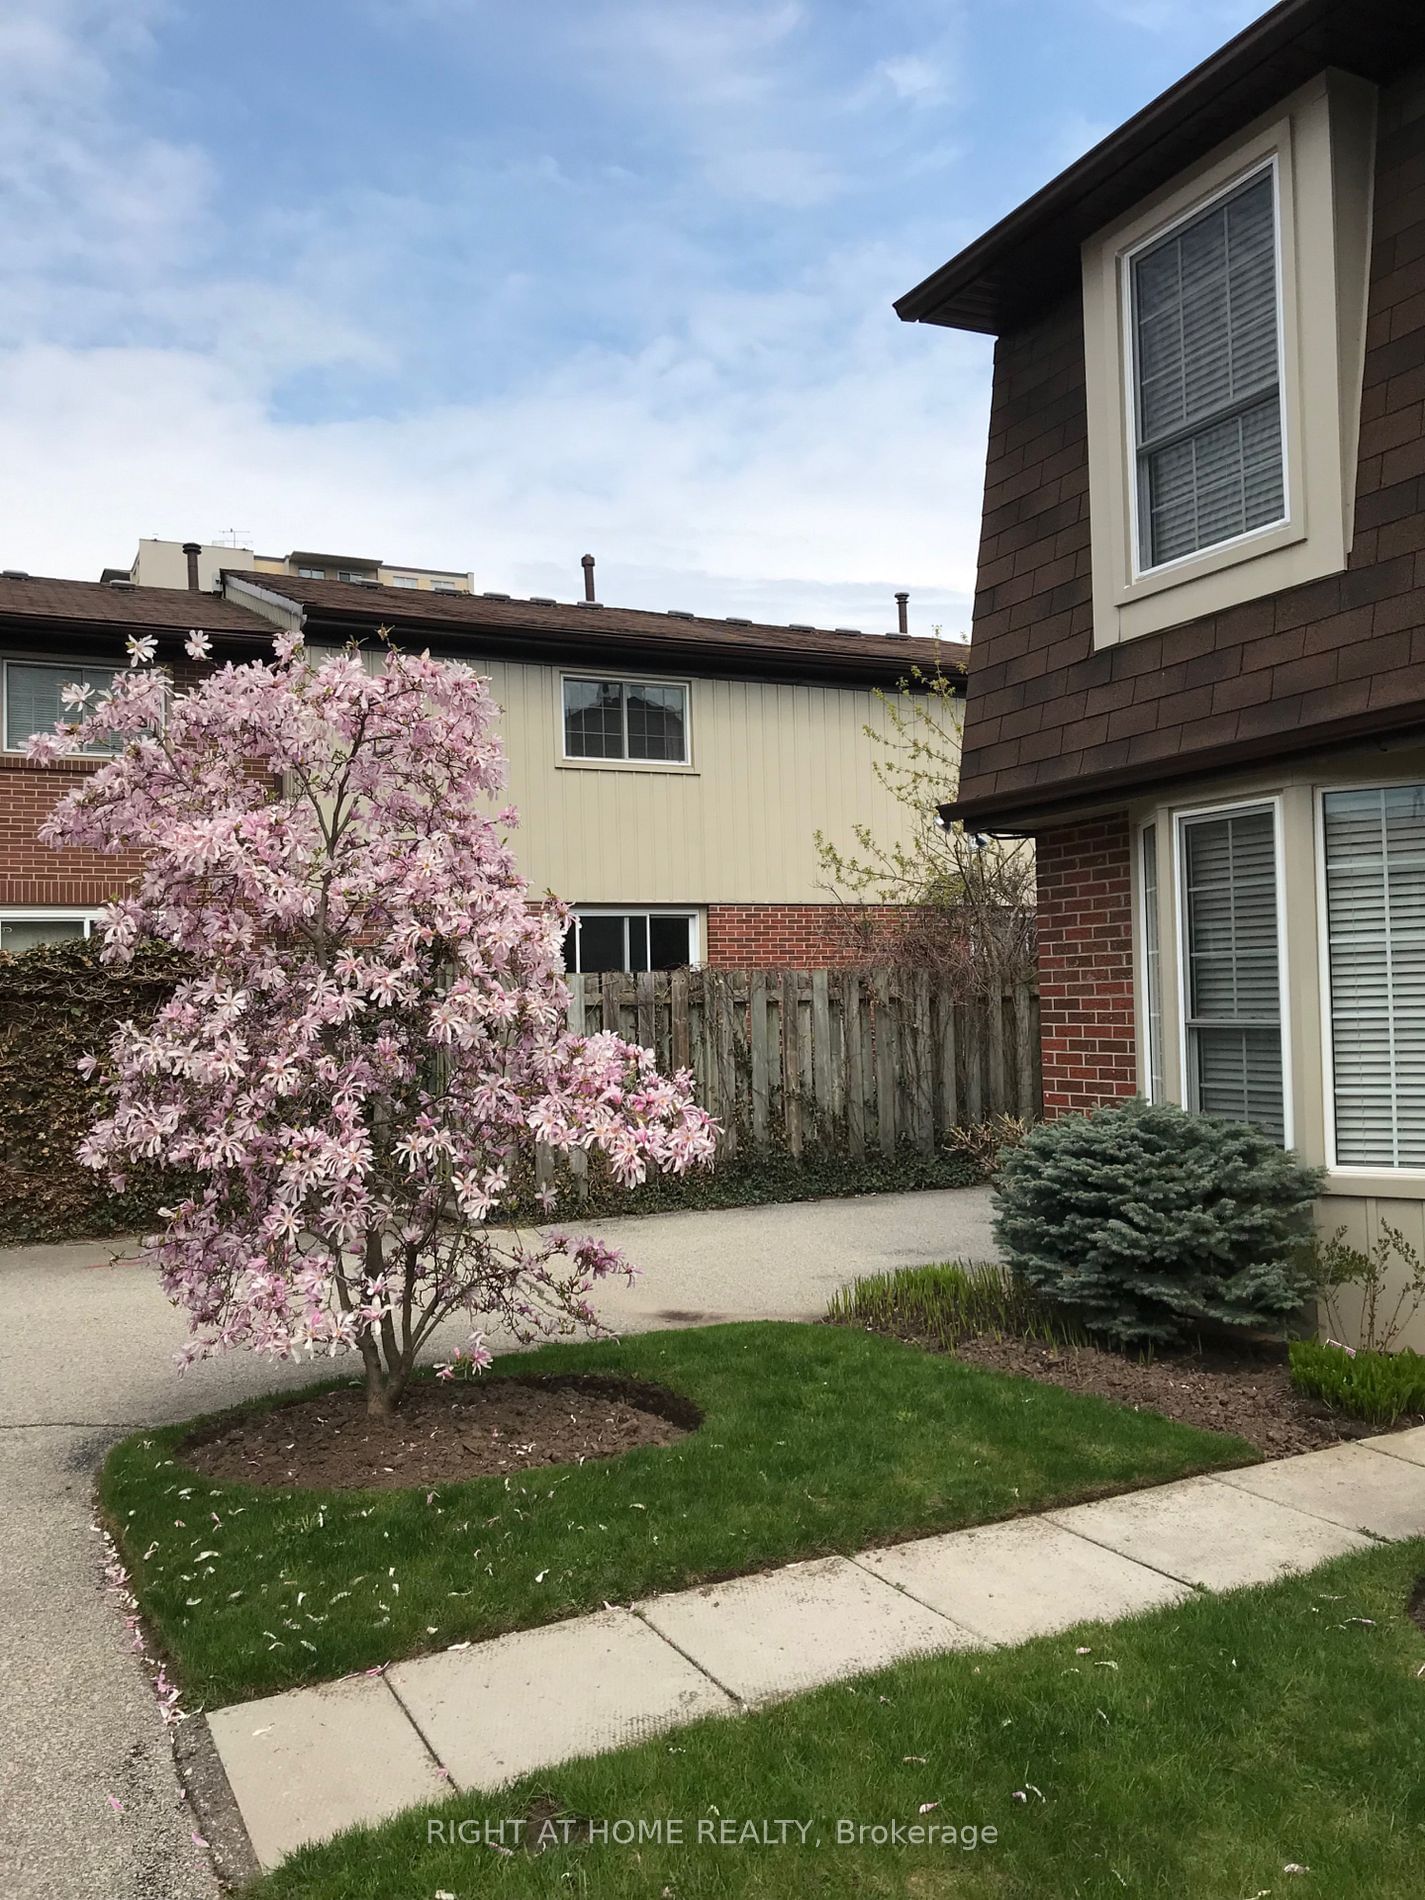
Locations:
(856, 1060)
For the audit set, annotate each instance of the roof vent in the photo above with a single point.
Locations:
(735, 620)
(14, 574)
(495, 597)
(121, 583)
(902, 606)
(543, 600)
(588, 603)
(800, 626)
(855, 630)
(680, 613)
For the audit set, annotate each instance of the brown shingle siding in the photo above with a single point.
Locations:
(1349, 644)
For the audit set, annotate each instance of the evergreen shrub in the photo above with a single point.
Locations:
(1147, 1222)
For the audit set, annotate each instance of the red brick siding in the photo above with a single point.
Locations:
(30, 875)
(1086, 965)
(1043, 708)
(789, 936)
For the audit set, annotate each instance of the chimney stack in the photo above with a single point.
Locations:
(587, 563)
(192, 550)
(902, 619)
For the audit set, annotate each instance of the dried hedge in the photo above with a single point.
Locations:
(57, 1003)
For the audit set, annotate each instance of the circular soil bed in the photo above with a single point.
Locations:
(443, 1432)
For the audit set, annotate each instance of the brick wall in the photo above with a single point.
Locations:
(30, 875)
(792, 936)
(1044, 708)
(1086, 965)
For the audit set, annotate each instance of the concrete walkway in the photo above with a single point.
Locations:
(306, 1764)
(90, 1805)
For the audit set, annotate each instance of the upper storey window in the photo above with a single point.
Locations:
(1207, 378)
(1224, 338)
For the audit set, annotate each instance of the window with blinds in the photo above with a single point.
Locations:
(1231, 975)
(34, 697)
(1207, 400)
(1374, 847)
(1152, 961)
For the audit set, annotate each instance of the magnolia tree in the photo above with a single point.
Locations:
(373, 1029)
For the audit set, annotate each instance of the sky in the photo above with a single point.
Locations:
(480, 285)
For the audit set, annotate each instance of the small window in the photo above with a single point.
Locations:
(1374, 849)
(1206, 376)
(602, 940)
(1152, 962)
(311, 573)
(625, 719)
(33, 701)
(404, 580)
(1231, 968)
(19, 932)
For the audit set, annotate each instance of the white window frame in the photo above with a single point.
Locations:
(683, 911)
(1181, 819)
(1258, 168)
(1143, 991)
(625, 680)
(1355, 1170)
(1320, 141)
(51, 914)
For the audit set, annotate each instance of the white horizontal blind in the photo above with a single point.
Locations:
(1375, 926)
(1233, 985)
(1208, 410)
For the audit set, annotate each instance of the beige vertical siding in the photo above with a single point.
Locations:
(772, 763)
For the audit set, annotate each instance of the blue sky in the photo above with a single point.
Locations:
(481, 284)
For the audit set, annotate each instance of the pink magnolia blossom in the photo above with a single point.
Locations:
(373, 1029)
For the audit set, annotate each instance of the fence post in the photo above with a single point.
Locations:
(791, 1064)
(757, 1039)
(851, 1008)
(886, 1063)
(1025, 1038)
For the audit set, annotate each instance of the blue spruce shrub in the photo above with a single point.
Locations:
(1145, 1221)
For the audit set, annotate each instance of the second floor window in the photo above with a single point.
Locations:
(1206, 377)
(625, 719)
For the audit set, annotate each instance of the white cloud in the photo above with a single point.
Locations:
(912, 76)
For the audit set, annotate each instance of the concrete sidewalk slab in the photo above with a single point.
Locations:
(1408, 1445)
(790, 1629)
(372, 1763)
(1347, 1484)
(1009, 1582)
(507, 1707)
(1209, 1533)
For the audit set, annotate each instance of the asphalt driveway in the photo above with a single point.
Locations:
(90, 1805)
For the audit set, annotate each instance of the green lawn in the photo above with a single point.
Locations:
(1195, 1754)
(814, 1439)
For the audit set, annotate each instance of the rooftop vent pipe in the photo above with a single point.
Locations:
(191, 551)
(902, 617)
(587, 563)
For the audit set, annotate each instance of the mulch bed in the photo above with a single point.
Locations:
(1240, 1388)
(442, 1433)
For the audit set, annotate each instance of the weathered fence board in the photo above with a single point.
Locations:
(847, 1059)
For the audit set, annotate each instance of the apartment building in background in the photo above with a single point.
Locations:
(174, 563)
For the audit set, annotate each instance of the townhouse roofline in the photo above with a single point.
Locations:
(590, 634)
(1032, 254)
